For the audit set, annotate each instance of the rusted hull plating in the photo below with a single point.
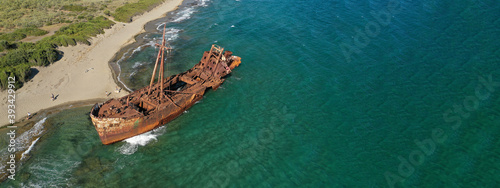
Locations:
(127, 128)
(157, 104)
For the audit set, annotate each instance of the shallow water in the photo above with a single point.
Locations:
(299, 111)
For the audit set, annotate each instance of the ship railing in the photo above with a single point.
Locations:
(216, 48)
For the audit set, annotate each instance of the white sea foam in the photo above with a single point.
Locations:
(29, 149)
(159, 27)
(23, 141)
(132, 144)
(151, 43)
(190, 10)
(138, 49)
(120, 71)
(184, 14)
(203, 3)
(137, 64)
(132, 74)
(172, 34)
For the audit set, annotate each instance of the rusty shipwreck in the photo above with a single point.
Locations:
(164, 100)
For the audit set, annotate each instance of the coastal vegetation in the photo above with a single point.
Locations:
(21, 56)
(22, 33)
(22, 18)
(127, 11)
(16, 14)
(79, 32)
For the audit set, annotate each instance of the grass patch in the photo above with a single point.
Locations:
(16, 14)
(31, 31)
(127, 11)
(22, 33)
(76, 8)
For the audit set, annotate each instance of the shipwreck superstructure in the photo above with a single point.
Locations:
(164, 100)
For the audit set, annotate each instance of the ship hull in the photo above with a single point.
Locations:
(112, 130)
(157, 104)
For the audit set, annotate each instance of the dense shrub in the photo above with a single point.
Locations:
(18, 62)
(5, 45)
(20, 72)
(24, 54)
(31, 31)
(12, 36)
(87, 29)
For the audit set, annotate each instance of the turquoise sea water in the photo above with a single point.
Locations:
(329, 94)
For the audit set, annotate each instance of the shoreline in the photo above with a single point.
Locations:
(54, 109)
(84, 73)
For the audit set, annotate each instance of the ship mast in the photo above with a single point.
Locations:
(159, 56)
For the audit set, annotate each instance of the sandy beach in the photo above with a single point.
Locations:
(83, 73)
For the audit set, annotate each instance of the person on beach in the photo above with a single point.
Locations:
(29, 116)
(52, 97)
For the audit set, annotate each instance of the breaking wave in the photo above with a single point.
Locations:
(23, 141)
(138, 64)
(25, 153)
(184, 14)
(132, 144)
(172, 34)
(203, 3)
(132, 74)
(138, 49)
(120, 71)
